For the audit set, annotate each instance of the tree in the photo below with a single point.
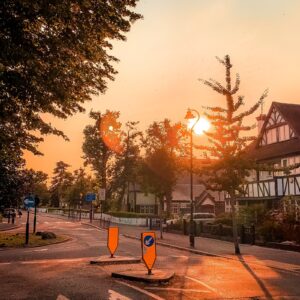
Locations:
(101, 141)
(62, 180)
(126, 166)
(54, 56)
(34, 182)
(82, 184)
(164, 140)
(228, 140)
(159, 176)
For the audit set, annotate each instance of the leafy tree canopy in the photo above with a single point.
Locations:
(54, 56)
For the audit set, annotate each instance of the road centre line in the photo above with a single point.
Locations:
(176, 289)
(202, 283)
(140, 290)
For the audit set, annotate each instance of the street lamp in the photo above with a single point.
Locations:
(193, 121)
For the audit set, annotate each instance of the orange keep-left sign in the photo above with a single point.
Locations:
(148, 249)
(112, 240)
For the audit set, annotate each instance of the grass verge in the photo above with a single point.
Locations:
(17, 240)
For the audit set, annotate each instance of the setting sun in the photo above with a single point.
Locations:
(201, 126)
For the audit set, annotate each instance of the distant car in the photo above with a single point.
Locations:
(172, 221)
(8, 212)
(201, 217)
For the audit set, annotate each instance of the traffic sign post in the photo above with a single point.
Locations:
(112, 240)
(90, 197)
(148, 249)
(28, 203)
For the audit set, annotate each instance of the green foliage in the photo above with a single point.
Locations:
(102, 142)
(271, 231)
(54, 55)
(228, 138)
(227, 141)
(163, 143)
(125, 170)
(62, 180)
(252, 214)
(224, 219)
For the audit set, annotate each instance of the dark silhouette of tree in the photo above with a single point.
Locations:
(125, 170)
(82, 184)
(164, 140)
(101, 143)
(228, 140)
(54, 56)
(62, 180)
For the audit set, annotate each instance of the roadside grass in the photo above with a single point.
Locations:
(17, 240)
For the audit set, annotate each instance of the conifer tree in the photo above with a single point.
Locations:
(61, 181)
(227, 142)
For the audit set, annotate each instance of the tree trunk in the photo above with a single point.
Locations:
(168, 202)
(234, 225)
(161, 201)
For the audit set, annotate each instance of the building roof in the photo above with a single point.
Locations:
(291, 114)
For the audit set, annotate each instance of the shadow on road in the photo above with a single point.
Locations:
(257, 279)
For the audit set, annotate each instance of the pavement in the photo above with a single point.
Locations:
(63, 271)
(274, 258)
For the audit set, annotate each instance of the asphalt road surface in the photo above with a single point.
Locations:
(62, 271)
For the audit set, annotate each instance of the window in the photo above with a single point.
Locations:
(271, 136)
(284, 163)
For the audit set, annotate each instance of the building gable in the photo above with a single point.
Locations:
(276, 128)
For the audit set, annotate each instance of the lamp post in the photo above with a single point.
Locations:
(190, 116)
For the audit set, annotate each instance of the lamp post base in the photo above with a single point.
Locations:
(192, 241)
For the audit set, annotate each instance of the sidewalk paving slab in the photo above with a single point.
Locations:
(157, 276)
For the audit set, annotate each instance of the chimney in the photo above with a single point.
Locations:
(260, 122)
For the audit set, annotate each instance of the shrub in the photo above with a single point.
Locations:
(224, 219)
(271, 231)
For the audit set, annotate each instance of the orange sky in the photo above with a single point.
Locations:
(174, 45)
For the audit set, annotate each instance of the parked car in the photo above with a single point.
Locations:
(8, 212)
(201, 217)
(172, 221)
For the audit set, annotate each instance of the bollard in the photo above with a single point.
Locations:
(252, 234)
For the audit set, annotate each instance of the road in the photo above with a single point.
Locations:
(63, 271)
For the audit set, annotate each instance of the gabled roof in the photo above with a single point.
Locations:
(291, 114)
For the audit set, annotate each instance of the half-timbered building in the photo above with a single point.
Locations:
(278, 145)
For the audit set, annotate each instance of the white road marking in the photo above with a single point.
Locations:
(62, 297)
(116, 296)
(141, 290)
(179, 256)
(176, 289)
(202, 283)
(40, 250)
(5, 263)
(44, 261)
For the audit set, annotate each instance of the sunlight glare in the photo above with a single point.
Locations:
(202, 125)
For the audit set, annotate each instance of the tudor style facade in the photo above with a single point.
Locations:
(278, 144)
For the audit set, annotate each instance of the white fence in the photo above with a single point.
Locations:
(97, 216)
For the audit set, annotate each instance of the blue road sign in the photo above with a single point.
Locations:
(148, 240)
(29, 201)
(90, 197)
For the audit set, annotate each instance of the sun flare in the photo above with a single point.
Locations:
(201, 126)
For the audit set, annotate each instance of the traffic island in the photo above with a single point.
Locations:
(157, 276)
(17, 240)
(106, 260)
